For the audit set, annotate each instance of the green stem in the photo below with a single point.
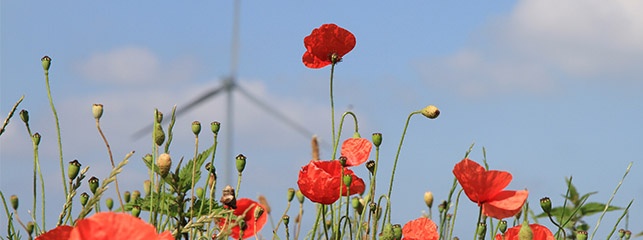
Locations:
(60, 145)
(111, 160)
(339, 131)
(332, 108)
(42, 186)
(475, 233)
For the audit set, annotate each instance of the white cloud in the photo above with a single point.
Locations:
(542, 44)
(135, 66)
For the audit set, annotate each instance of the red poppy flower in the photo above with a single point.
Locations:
(246, 208)
(320, 181)
(356, 151)
(540, 233)
(60, 232)
(111, 225)
(326, 45)
(421, 228)
(486, 189)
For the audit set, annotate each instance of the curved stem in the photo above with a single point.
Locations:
(339, 131)
(111, 160)
(397, 155)
(60, 145)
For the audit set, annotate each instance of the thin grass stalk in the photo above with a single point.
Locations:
(60, 144)
(625, 213)
(598, 223)
(13, 110)
(111, 160)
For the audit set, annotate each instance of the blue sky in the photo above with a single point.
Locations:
(549, 88)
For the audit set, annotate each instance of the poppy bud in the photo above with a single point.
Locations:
(147, 187)
(286, 220)
(545, 204)
(148, 158)
(127, 196)
(200, 193)
(430, 111)
(358, 205)
(36, 138)
(315, 145)
(387, 232)
(159, 135)
(196, 127)
(84, 197)
(97, 110)
(370, 165)
(525, 231)
(136, 194)
(241, 163)
(397, 231)
(290, 194)
(481, 230)
(581, 235)
(347, 180)
(109, 202)
(93, 184)
(215, 126)
(164, 162)
(73, 169)
(15, 202)
(258, 212)
(24, 115)
(377, 139)
(46, 63)
(264, 202)
(210, 168)
(136, 210)
(428, 199)
(442, 207)
(300, 196)
(502, 226)
(158, 116)
(30, 227)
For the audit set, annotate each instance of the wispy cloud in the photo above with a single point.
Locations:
(543, 46)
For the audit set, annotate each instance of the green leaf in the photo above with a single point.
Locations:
(595, 207)
(573, 193)
(185, 174)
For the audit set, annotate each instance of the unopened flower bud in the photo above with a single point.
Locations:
(200, 193)
(502, 226)
(377, 139)
(264, 202)
(24, 115)
(136, 210)
(481, 230)
(15, 202)
(93, 184)
(442, 207)
(158, 116)
(286, 220)
(73, 169)
(300, 196)
(545, 204)
(525, 232)
(215, 126)
(127, 196)
(370, 165)
(136, 194)
(358, 204)
(36, 139)
(290, 194)
(431, 112)
(581, 235)
(347, 180)
(196, 127)
(397, 231)
(147, 187)
(97, 110)
(84, 197)
(387, 232)
(428, 199)
(109, 202)
(241, 163)
(164, 162)
(159, 135)
(30, 227)
(46, 63)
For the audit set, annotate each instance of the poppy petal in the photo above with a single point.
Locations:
(421, 228)
(324, 42)
(320, 181)
(505, 204)
(246, 208)
(313, 62)
(60, 232)
(356, 150)
(110, 225)
(479, 184)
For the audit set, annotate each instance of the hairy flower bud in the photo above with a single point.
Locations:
(159, 135)
(430, 112)
(127, 196)
(397, 231)
(300, 196)
(15, 202)
(136, 194)
(147, 187)
(290, 194)
(109, 202)
(428, 199)
(200, 193)
(164, 162)
(136, 210)
(525, 232)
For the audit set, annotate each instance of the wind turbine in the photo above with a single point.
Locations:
(228, 86)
